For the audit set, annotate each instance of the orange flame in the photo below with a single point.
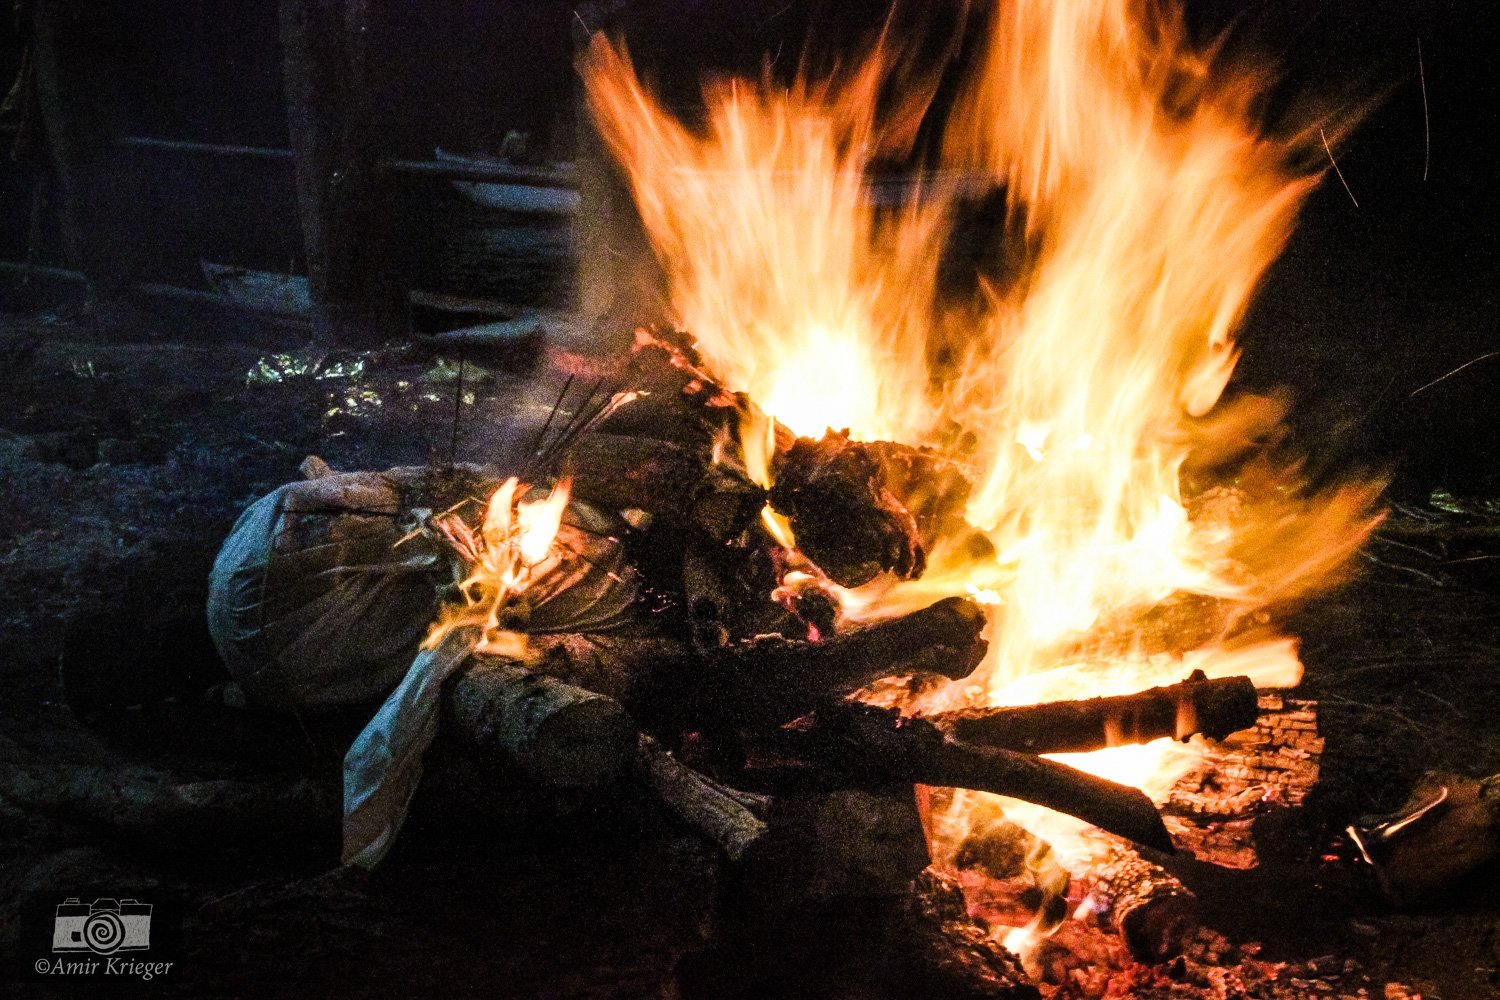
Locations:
(512, 548)
(1153, 201)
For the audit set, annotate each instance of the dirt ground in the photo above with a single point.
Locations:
(123, 465)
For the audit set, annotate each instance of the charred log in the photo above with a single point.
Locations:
(1154, 914)
(873, 531)
(1214, 708)
(863, 744)
(1271, 765)
(672, 688)
(942, 952)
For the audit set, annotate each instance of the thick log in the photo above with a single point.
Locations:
(1154, 914)
(161, 811)
(725, 816)
(1214, 708)
(561, 736)
(939, 951)
(864, 743)
(671, 688)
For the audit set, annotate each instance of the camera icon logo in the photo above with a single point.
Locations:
(103, 927)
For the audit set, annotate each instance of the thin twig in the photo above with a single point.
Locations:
(1336, 169)
(1403, 545)
(1426, 122)
(1454, 372)
(536, 445)
(1405, 569)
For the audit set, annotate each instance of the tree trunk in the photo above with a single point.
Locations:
(344, 200)
(75, 52)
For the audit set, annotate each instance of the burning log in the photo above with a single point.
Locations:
(559, 735)
(726, 816)
(1152, 911)
(874, 533)
(888, 501)
(672, 688)
(942, 952)
(862, 743)
(1214, 708)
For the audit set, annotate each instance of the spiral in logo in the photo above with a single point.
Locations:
(104, 932)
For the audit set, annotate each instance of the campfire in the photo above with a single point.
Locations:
(1054, 446)
(879, 576)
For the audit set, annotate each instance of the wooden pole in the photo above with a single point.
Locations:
(342, 194)
(75, 53)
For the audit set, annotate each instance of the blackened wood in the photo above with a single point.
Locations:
(867, 743)
(720, 814)
(771, 680)
(1214, 708)
(559, 735)
(1154, 914)
(672, 688)
(843, 513)
(936, 949)
(1270, 766)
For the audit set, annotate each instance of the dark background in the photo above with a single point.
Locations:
(1367, 305)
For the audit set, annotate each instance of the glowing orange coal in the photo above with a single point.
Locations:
(1153, 199)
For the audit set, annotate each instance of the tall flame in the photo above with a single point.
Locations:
(1152, 200)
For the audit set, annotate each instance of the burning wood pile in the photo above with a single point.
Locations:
(851, 569)
(655, 615)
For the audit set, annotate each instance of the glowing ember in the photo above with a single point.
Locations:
(512, 547)
(1153, 200)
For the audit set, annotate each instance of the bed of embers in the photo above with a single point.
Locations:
(500, 885)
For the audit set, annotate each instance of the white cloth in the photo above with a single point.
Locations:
(383, 767)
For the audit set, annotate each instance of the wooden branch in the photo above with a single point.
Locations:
(867, 743)
(1214, 708)
(561, 736)
(722, 815)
